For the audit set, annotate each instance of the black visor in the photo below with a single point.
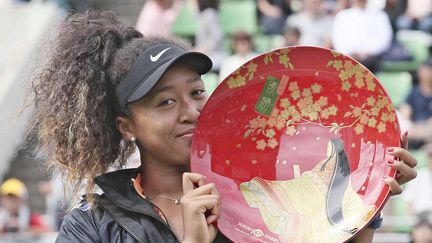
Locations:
(151, 65)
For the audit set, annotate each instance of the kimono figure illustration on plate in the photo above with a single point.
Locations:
(318, 206)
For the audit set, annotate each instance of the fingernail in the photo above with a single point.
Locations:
(390, 161)
(390, 149)
(385, 177)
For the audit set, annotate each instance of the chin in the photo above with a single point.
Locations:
(182, 159)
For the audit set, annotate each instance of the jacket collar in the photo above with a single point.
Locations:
(118, 188)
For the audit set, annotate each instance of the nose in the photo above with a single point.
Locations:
(190, 111)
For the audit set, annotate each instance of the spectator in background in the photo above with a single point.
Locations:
(56, 206)
(209, 36)
(291, 36)
(243, 51)
(313, 23)
(417, 108)
(157, 17)
(421, 207)
(422, 232)
(272, 15)
(394, 8)
(418, 15)
(14, 213)
(362, 33)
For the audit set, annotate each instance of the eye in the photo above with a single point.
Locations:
(167, 102)
(198, 92)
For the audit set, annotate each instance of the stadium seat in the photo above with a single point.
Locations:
(210, 82)
(397, 85)
(418, 43)
(401, 211)
(238, 15)
(265, 43)
(185, 24)
(421, 157)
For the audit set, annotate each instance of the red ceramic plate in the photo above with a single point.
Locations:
(295, 142)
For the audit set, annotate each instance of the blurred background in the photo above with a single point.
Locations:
(390, 37)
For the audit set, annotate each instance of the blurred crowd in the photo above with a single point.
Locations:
(387, 36)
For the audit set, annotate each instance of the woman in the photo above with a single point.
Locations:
(106, 89)
(327, 188)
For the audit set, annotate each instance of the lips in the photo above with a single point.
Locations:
(187, 133)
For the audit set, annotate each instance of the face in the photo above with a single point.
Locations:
(425, 75)
(291, 38)
(422, 233)
(242, 46)
(11, 203)
(313, 6)
(163, 122)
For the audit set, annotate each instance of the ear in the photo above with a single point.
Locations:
(126, 127)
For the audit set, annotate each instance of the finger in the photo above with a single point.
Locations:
(190, 180)
(395, 188)
(406, 172)
(404, 140)
(212, 218)
(212, 232)
(201, 204)
(404, 155)
(195, 210)
(204, 190)
(215, 212)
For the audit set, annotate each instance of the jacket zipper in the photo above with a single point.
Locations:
(137, 211)
(125, 228)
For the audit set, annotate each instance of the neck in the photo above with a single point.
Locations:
(162, 180)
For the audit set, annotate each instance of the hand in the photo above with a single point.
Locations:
(405, 173)
(404, 166)
(201, 208)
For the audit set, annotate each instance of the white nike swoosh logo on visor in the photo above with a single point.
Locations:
(155, 58)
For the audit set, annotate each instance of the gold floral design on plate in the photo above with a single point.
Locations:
(238, 80)
(281, 56)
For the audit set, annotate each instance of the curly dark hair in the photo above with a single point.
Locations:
(74, 96)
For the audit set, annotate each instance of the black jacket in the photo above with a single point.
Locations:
(119, 215)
